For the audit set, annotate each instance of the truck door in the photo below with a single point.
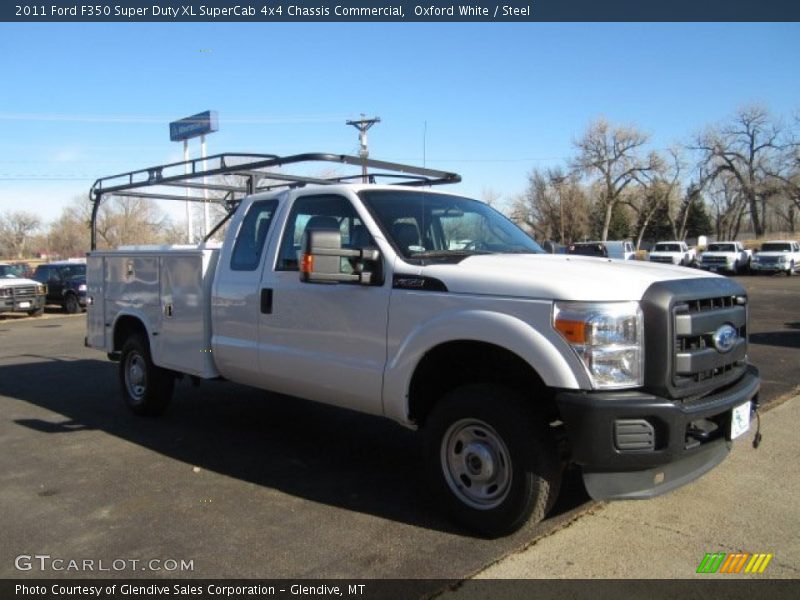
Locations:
(236, 299)
(325, 342)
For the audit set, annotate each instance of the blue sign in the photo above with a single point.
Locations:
(194, 126)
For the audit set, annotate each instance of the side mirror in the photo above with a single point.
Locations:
(322, 255)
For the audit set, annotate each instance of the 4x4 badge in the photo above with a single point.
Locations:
(725, 338)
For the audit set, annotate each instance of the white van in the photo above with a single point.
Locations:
(621, 249)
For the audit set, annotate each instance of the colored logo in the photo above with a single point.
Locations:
(737, 562)
(725, 338)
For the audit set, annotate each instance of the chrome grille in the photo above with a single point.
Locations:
(24, 292)
(696, 359)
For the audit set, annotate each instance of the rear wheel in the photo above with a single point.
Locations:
(146, 388)
(71, 304)
(491, 461)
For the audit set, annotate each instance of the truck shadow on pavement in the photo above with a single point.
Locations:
(782, 339)
(309, 450)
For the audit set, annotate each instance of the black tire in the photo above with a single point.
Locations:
(71, 304)
(146, 388)
(36, 312)
(491, 461)
(790, 272)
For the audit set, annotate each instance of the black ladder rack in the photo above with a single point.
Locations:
(243, 175)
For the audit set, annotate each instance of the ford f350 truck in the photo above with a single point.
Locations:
(512, 362)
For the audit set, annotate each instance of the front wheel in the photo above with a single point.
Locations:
(146, 388)
(491, 461)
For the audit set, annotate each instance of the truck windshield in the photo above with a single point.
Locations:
(424, 226)
(8, 272)
(721, 248)
(667, 248)
(776, 247)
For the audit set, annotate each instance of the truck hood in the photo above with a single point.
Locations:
(15, 281)
(723, 254)
(773, 254)
(551, 277)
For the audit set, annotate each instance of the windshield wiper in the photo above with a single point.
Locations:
(449, 253)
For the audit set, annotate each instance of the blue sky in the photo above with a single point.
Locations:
(80, 101)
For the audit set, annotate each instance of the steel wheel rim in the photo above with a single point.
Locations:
(476, 464)
(135, 376)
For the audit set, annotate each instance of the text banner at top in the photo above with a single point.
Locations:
(400, 11)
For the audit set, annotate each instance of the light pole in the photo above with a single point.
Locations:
(362, 125)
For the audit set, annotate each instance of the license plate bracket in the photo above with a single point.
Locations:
(740, 420)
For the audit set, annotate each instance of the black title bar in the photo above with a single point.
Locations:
(244, 11)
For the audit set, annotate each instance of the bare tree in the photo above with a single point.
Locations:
(747, 149)
(658, 187)
(69, 234)
(16, 229)
(491, 197)
(728, 206)
(554, 206)
(614, 155)
(130, 220)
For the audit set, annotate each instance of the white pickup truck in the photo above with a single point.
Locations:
(512, 362)
(20, 294)
(777, 256)
(725, 256)
(673, 253)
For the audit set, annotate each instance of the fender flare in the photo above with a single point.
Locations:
(550, 356)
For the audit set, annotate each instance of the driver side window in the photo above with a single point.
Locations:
(320, 212)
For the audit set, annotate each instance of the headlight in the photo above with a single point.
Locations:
(607, 337)
(82, 287)
(41, 289)
(781, 259)
(5, 292)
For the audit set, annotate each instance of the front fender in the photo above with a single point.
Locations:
(543, 349)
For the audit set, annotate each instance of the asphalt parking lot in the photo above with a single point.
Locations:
(244, 484)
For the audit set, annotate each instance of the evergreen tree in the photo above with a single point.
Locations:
(698, 222)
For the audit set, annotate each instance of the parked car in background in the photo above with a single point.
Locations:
(673, 253)
(552, 247)
(66, 284)
(725, 256)
(588, 249)
(777, 256)
(18, 294)
(618, 249)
